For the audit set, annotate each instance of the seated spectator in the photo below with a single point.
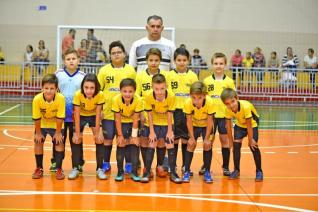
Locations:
(68, 40)
(101, 53)
(310, 62)
(92, 47)
(42, 53)
(2, 58)
(247, 64)
(290, 62)
(236, 62)
(29, 55)
(273, 64)
(82, 50)
(259, 62)
(197, 61)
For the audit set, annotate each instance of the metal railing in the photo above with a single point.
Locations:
(24, 80)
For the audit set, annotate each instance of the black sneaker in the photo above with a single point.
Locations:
(145, 178)
(202, 170)
(175, 178)
(226, 172)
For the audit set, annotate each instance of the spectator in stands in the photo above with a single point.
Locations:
(236, 64)
(82, 50)
(137, 55)
(197, 61)
(42, 53)
(290, 61)
(68, 40)
(273, 64)
(259, 62)
(92, 46)
(101, 53)
(2, 58)
(310, 62)
(29, 55)
(248, 61)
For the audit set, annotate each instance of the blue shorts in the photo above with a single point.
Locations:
(180, 125)
(240, 132)
(126, 128)
(109, 129)
(160, 131)
(90, 120)
(199, 131)
(220, 125)
(50, 131)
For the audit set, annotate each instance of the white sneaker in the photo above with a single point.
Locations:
(100, 174)
(74, 174)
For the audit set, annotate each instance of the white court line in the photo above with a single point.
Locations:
(9, 109)
(313, 152)
(168, 196)
(270, 152)
(22, 148)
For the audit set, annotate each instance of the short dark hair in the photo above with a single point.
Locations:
(158, 78)
(154, 17)
(275, 53)
(154, 51)
(31, 47)
(181, 51)
(51, 79)
(219, 55)
(116, 43)
(311, 50)
(72, 30)
(91, 30)
(91, 78)
(127, 82)
(228, 93)
(70, 51)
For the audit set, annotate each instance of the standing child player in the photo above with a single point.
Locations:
(88, 104)
(246, 124)
(109, 78)
(70, 78)
(48, 113)
(181, 79)
(215, 85)
(199, 109)
(160, 105)
(127, 108)
(143, 81)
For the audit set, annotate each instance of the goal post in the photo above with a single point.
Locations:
(126, 34)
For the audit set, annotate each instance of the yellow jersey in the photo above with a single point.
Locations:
(109, 79)
(144, 81)
(246, 110)
(88, 106)
(48, 112)
(127, 111)
(160, 109)
(199, 115)
(179, 84)
(215, 88)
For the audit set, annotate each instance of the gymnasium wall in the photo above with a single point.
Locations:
(210, 25)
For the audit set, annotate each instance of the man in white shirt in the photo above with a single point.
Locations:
(310, 62)
(137, 55)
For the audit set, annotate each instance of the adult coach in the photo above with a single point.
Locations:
(68, 41)
(137, 55)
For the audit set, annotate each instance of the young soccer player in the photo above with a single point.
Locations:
(143, 80)
(215, 85)
(70, 79)
(88, 104)
(181, 78)
(246, 124)
(109, 78)
(48, 113)
(160, 105)
(127, 108)
(199, 109)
